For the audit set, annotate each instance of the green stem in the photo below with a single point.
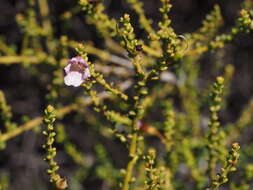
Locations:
(131, 163)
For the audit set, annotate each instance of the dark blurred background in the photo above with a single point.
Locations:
(26, 95)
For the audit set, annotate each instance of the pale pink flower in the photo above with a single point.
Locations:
(76, 72)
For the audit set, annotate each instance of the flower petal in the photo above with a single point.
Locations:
(73, 60)
(81, 61)
(67, 68)
(73, 79)
(86, 73)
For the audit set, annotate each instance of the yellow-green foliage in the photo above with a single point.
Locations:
(50, 134)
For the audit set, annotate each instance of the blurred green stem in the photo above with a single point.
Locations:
(131, 164)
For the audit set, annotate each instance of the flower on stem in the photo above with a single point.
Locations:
(76, 72)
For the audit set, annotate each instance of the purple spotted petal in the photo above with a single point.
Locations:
(76, 72)
(78, 60)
